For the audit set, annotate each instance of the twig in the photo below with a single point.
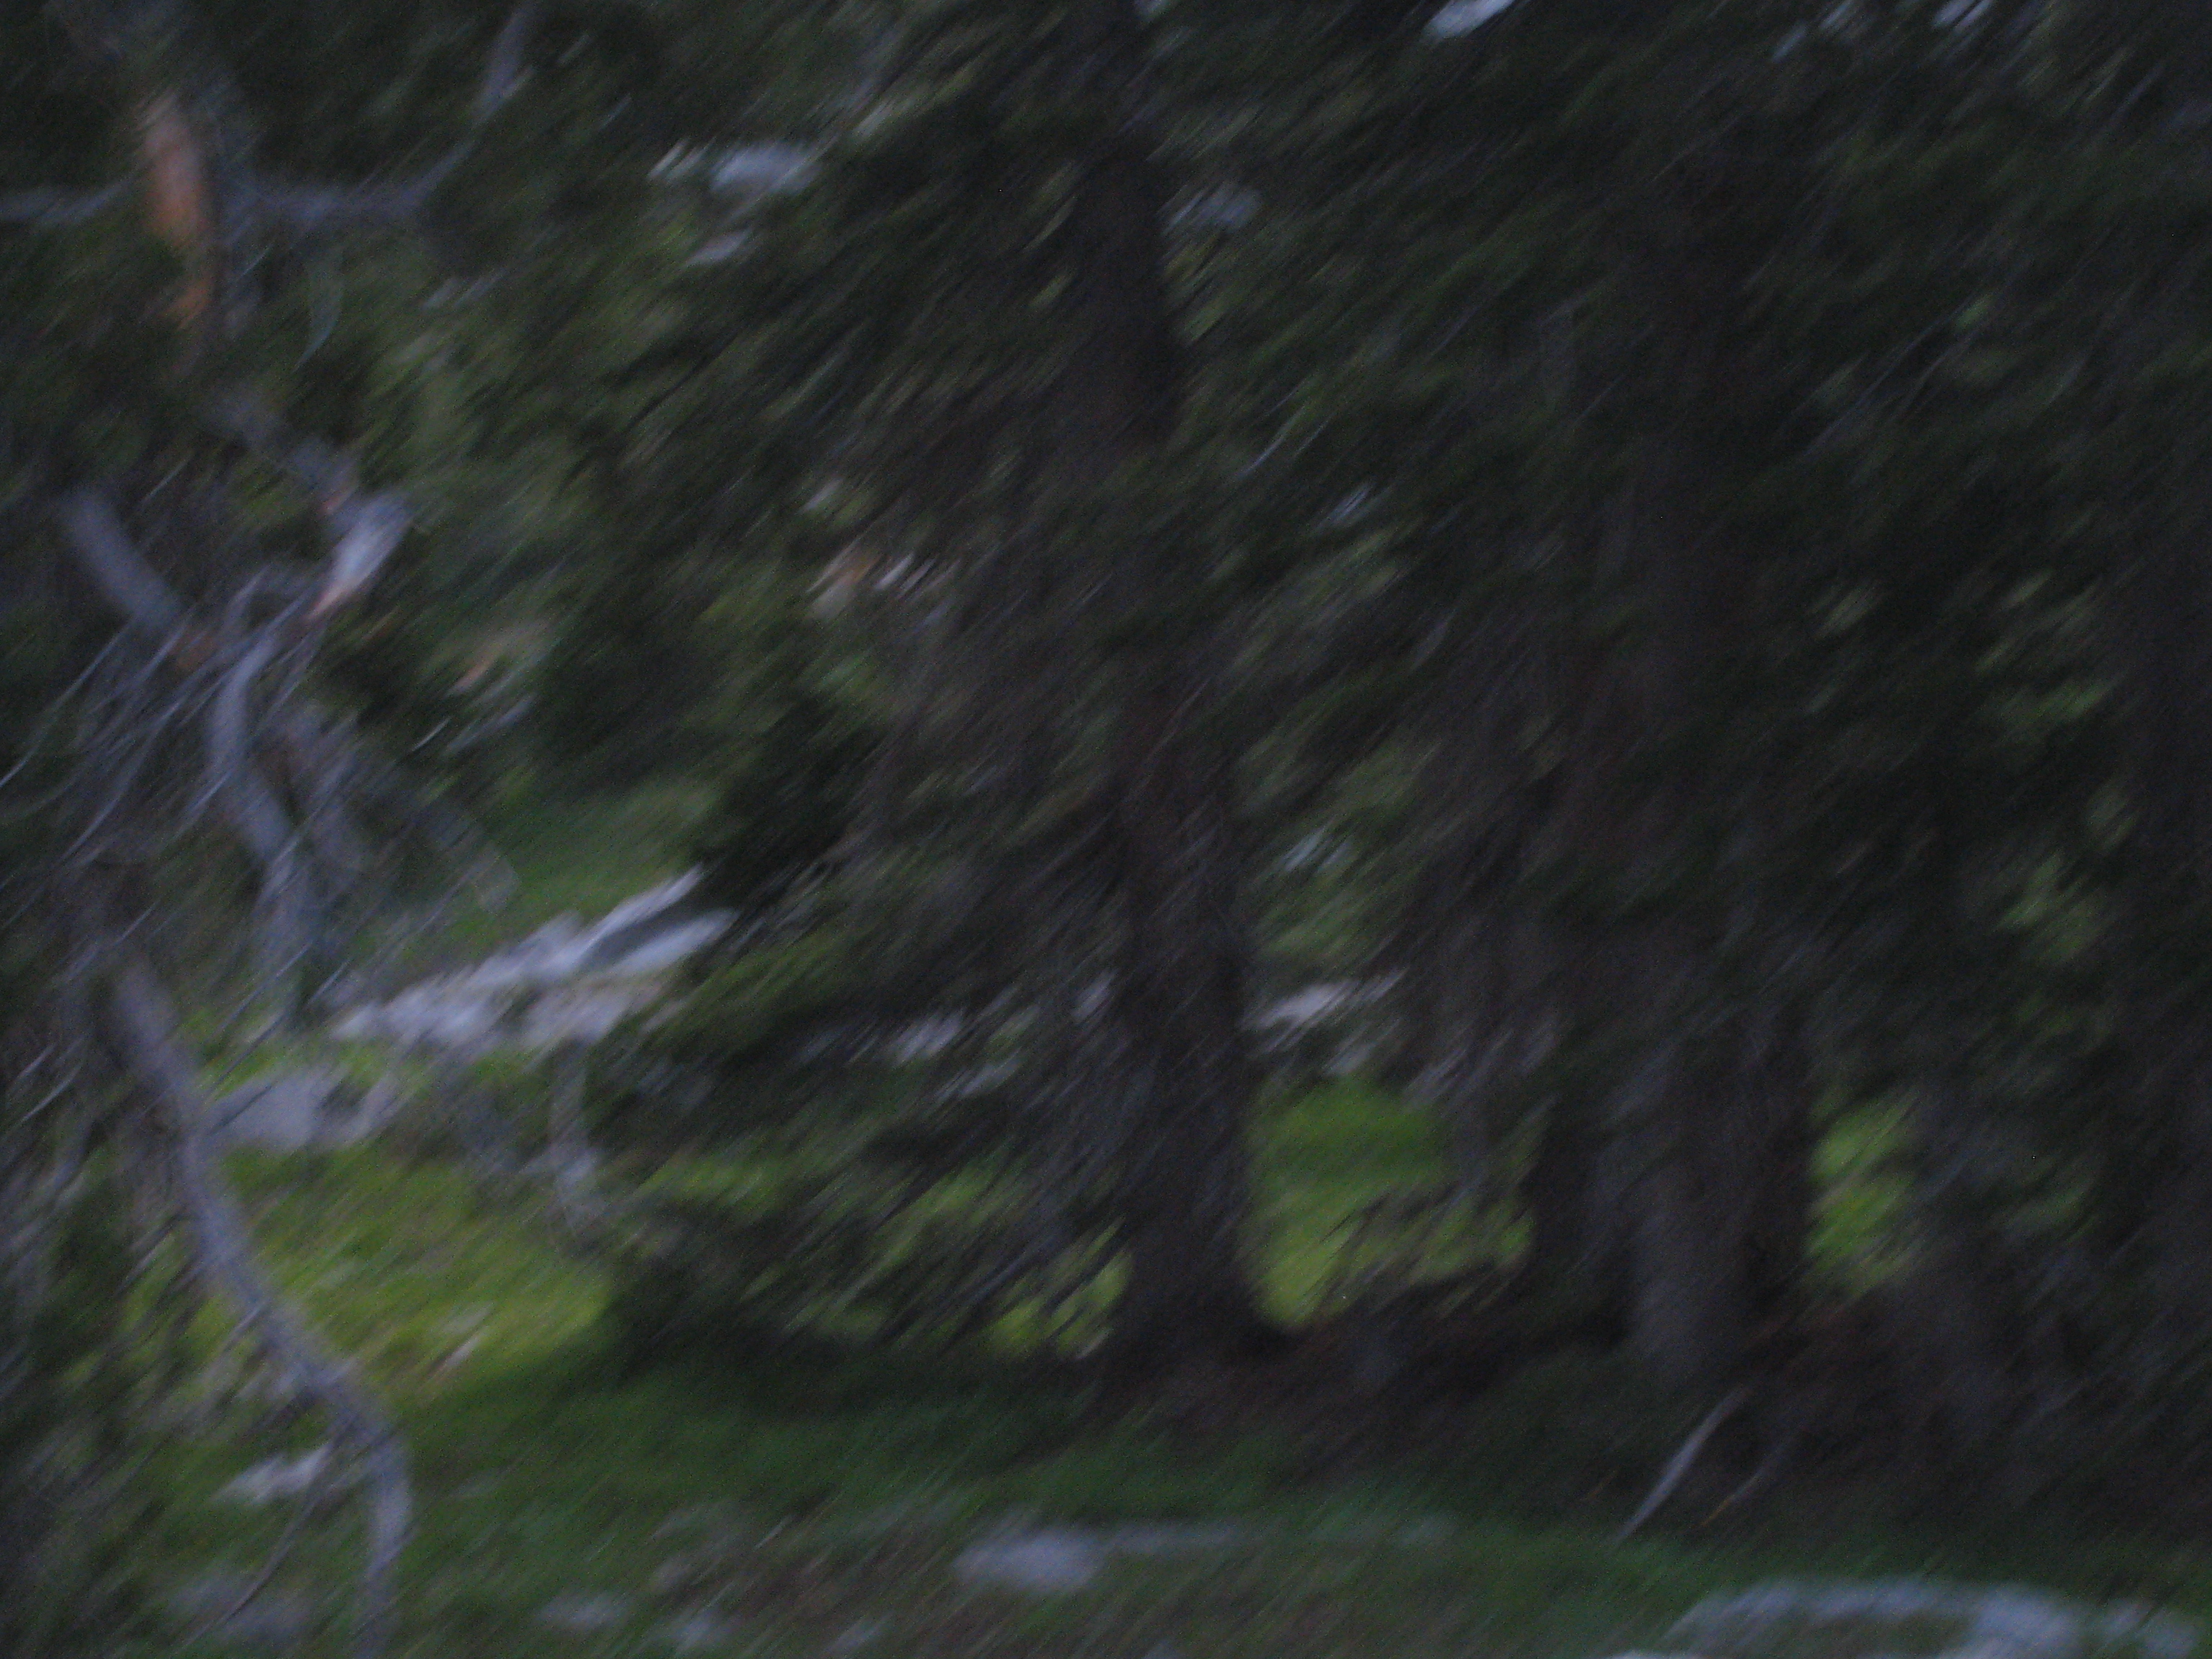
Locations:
(1678, 1466)
(147, 1028)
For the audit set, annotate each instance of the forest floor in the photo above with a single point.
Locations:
(770, 1508)
(820, 1512)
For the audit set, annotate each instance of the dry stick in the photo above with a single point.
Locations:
(1680, 1465)
(148, 1028)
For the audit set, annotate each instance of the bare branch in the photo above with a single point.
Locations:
(147, 1030)
(104, 549)
(309, 210)
(369, 527)
(289, 921)
(319, 210)
(365, 529)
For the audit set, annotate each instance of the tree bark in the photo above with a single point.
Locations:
(1181, 994)
(1181, 983)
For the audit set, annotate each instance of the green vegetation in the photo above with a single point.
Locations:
(576, 856)
(812, 1499)
(1646, 564)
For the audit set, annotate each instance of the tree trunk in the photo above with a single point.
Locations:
(1181, 997)
(1179, 991)
(1717, 1109)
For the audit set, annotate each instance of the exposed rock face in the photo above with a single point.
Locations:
(569, 984)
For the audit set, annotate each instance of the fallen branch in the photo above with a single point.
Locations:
(1678, 1467)
(147, 1028)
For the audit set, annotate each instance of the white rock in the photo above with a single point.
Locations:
(1463, 16)
(1052, 1562)
(2010, 1621)
(283, 1113)
(2155, 1634)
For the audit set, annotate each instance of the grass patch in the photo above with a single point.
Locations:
(416, 1270)
(1326, 1159)
(579, 856)
(816, 1509)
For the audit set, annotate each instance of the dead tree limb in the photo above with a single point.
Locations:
(223, 1255)
(106, 555)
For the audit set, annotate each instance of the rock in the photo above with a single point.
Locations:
(861, 1634)
(275, 1619)
(1461, 17)
(1051, 1562)
(2003, 1621)
(2012, 1623)
(659, 948)
(566, 983)
(685, 1576)
(577, 1613)
(2152, 1634)
(1754, 1618)
(273, 1478)
(698, 1633)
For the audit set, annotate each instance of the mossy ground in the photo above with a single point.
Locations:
(816, 1504)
